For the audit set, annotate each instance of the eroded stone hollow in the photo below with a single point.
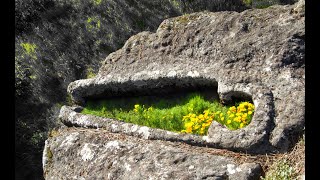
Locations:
(264, 61)
(175, 101)
(252, 138)
(258, 53)
(208, 89)
(167, 88)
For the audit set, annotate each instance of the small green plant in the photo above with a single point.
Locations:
(93, 23)
(290, 165)
(37, 137)
(191, 114)
(90, 73)
(247, 2)
(97, 2)
(29, 49)
(281, 170)
(175, 3)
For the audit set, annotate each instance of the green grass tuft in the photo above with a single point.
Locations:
(191, 113)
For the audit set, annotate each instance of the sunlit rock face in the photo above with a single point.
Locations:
(257, 54)
(98, 154)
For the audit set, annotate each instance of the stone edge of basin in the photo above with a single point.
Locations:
(253, 138)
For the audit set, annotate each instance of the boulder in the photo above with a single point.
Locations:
(258, 54)
(255, 55)
(77, 153)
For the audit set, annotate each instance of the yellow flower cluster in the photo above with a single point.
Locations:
(238, 117)
(197, 124)
(234, 118)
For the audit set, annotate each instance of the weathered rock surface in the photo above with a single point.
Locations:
(98, 154)
(256, 54)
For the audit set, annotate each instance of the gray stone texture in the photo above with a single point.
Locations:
(77, 153)
(258, 53)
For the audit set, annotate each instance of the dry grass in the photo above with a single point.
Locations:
(297, 157)
(290, 165)
(270, 162)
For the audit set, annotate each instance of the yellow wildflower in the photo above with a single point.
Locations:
(232, 109)
(237, 119)
(243, 119)
(244, 115)
(194, 119)
(189, 129)
(189, 124)
(196, 127)
(136, 106)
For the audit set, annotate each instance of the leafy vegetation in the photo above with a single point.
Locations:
(90, 74)
(189, 114)
(93, 23)
(29, 49)
(288, 166)
(97, 2)
(281, 170)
